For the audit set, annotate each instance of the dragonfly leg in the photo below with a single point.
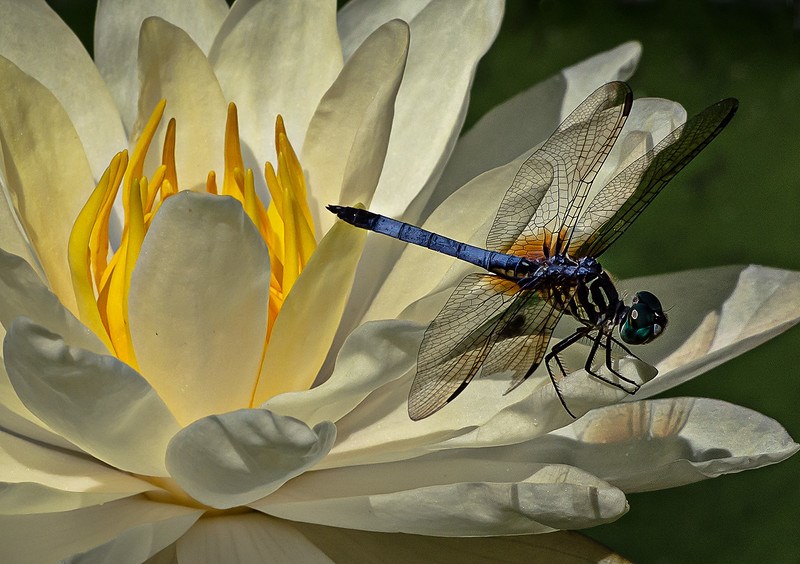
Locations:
(590, 361)
(620, 376)
(553, 355)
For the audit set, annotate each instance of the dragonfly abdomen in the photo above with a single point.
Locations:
(508, 266)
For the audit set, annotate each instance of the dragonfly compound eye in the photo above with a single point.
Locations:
(644, 321)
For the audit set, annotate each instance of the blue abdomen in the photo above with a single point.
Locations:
(509, 266)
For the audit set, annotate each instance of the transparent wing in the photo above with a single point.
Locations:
(457, 341)
(621, 201)
(550, 188)
(522, 342)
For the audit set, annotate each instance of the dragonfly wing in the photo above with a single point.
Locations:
(457, 341)
(523, 339)
(550, 188)
(621, 201)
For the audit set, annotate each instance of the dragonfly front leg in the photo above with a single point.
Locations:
(636, 386)
(596, 341)
(590, 361)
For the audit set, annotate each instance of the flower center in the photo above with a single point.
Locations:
(102, 284)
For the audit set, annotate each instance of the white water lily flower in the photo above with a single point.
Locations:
(157, 394)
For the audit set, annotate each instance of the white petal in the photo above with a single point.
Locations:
(34, 126)
(235, 458)
(198, 305)
(349, 545)
(715, 314)
(525, 120)
(24, 295)
(305, 328)
(39, 479)
(12, 233)
(35, 39)
(116, 39)
(372, 355)
(447, 41)
(249, 538)
(359, 18)
(98, 403)
(173, 67)
(658, 444)
(379, 429)
(15, 418)
(347, 138)
(276, 58)
(549, 497)
(124, 531)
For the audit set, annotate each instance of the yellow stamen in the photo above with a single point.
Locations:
(102, 286)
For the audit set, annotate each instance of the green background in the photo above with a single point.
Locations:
(738, 202)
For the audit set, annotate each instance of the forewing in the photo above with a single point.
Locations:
(550, 188)
(522, 342)
(621, 201)
(457, 341)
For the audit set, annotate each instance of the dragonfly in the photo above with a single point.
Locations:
(541, 258)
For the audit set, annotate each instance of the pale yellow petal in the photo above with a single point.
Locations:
(307, 323)
(116, 39)
(346, 143)
(127, 531)
(173, 67)
(198, 305)
(276, 58)
(96, 402)
(33, 123)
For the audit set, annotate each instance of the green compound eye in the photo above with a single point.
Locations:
(644, 321)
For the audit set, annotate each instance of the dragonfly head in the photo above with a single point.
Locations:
(644, 320)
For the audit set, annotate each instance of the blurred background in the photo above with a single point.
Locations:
(737, 203)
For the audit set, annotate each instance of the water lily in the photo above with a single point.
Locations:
(199, 364)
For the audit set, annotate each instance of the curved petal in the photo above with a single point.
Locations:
(372, 355)
(235, 458)
(116, 37)
(37, 479)
(276, 58)
(96, 402)
(525, 120)
(346, 142)
(23, 294)
(12, 233)
(432, 100)
(719, 313)
(549, 498)
(33, 127)
(35, 39)
(173, 67)
(483, 415)
(358, 19)
(309, 317)
(249, 538)
(16, 419)
(658, 444)
(198, 305)
(349, 545)
(124, 531)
